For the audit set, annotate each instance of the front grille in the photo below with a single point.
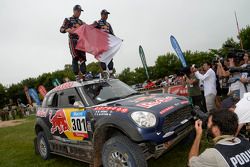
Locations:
(176, 117)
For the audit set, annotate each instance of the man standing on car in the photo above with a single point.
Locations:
(69, 25)
(229, 151)
(104, 26)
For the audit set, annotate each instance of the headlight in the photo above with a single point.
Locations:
(144, 119)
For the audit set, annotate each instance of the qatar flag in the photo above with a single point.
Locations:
(98, 43)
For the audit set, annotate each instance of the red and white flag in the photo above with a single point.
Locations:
(98, 43)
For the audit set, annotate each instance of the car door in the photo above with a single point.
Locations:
(69, 122)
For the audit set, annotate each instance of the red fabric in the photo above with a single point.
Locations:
(92, 40)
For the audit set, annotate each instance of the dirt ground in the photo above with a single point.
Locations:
(11, 123)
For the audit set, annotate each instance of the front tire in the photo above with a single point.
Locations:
(119, 151)
(43, 146)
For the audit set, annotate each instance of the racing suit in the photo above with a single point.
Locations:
(104, 26)
(77, 55)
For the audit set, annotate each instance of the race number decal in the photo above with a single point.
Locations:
(78, 124)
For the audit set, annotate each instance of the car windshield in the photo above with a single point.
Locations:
(107, 91)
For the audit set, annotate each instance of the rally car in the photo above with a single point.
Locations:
(106, 122)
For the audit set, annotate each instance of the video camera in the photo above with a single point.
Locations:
(217, 59)
(240, 69)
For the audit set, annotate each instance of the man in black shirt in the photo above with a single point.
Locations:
(69, 25)
(104, 26)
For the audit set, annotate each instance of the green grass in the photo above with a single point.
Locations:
(16, 149)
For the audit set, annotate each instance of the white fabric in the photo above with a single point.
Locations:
(114, 46)
(243, 109)
(209, 80)
(210, 102)
(242, 88)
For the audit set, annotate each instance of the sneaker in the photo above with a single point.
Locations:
(105, 75)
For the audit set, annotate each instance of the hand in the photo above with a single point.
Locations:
(77, 25)
(198, 127)
(68, 30)
(194, 69)
(219, 64)
(71, 30)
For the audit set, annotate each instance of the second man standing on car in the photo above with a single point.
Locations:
(103, 25)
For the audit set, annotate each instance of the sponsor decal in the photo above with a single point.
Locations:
(185, 102)
(155, 103)
(42, 112)
(178, 90)
(176, 104)
(78, 124)
(103, 113)
(114, 109)
(58, 122)
(140, 99)
(66, 85)
(89, 127)
(166, 109)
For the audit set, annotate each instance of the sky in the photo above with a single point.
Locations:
(31, 44)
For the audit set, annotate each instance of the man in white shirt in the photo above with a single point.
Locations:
(209, 80)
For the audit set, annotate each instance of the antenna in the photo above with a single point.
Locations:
(241, 44)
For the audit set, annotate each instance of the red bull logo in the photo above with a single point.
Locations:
(58, 122)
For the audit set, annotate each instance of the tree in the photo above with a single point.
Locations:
(245, 37)
(127, 76)
(198, 58)
(3, 96)
(166, 65)
(94, 67)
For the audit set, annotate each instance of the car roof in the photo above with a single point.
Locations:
(74, 84)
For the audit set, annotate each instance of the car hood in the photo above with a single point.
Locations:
(158, 103)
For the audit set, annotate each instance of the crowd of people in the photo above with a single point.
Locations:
(221, 89)
(16, 110)
(226, 112)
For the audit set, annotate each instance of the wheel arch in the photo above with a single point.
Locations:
(107, 128)
(41, 126)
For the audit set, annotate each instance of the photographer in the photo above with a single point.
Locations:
(228, 149)
(238, 86)
(245, 79)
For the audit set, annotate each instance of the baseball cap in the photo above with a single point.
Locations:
(77, 7)
(104, 11)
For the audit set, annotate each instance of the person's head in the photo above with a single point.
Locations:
(77, 11)
(206, 66)
(222, 122)
(246, 57)
(104, 14)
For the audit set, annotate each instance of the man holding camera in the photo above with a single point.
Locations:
(209, 80)
(239, 80)
(228, 150)
(245, 78)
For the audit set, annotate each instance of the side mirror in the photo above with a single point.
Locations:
(78, 104)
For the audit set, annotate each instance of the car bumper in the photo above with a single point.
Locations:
(155, 151)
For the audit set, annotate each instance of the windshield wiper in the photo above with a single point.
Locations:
(132, 94)
(110, 99)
